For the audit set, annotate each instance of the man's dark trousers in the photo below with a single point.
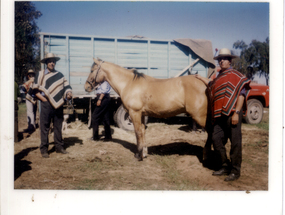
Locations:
(47, 114)
(222, 131)
(102, 113)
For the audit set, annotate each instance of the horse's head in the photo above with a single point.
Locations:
(96, 77)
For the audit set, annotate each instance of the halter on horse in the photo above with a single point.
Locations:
(93, 82)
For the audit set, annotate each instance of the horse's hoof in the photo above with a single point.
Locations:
(138, 157)
(145, 152)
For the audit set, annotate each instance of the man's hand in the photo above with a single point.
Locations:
(100, 99)
(69, 95)
(203, 79)
(235, 116)
(98, 102)
(235, 119)
(31, 80)
(40, 97)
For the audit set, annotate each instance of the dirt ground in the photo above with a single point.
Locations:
(174, 161)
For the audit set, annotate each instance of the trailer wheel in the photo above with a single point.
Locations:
(123, 120)
(254, 111)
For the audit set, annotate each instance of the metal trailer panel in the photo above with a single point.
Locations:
(157, 58)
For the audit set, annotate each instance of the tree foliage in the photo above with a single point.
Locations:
(254, 58)
(26, 39)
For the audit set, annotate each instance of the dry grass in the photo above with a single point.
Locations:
(173, 163)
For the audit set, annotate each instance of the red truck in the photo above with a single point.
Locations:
(258, 98)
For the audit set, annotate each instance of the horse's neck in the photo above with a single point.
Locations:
(117, 77)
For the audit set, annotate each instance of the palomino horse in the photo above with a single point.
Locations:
(143, 95)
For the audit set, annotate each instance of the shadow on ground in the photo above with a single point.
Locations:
(20, 165)
(177, 148)
(180, 148)
(70, 141)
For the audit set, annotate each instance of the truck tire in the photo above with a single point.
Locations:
(123, 120)
(254, 111)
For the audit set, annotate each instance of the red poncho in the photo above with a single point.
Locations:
(225, 90)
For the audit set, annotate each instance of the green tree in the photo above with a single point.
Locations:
(253, 58)
(26, 39)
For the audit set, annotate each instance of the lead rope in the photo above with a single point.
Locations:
(68, 102)
(69, 107)
(98, 70)
(89, 114)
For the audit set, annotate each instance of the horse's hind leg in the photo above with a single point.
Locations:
(207, 148)
(140, 133)
(145, 151)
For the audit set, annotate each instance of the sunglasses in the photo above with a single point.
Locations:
(50, 61)
(224, 58)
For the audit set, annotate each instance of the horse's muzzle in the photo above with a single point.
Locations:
(88, 87)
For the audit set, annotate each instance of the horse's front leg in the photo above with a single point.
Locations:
(140, 134)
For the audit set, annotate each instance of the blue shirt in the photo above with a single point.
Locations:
(104, 88)
(24, 90)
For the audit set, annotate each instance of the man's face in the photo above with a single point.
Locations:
(224, 62)
(50, 64)
(31, 75)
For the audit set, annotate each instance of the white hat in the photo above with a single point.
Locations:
(30, 71)
(50, 56)
(224, 53)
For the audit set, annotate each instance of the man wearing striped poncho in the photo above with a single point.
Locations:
(52, 89)
(227, 96)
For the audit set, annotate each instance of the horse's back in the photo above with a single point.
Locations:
(167, 97)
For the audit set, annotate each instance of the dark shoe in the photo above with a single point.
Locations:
(223, 171)
(92, 139)
(107, 139)
(29, 130)
(45, 155)
(62, 151)
(26, 130)
(232, 177)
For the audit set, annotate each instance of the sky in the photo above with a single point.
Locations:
(223, 23)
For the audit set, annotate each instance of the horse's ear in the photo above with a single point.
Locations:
(97, 61)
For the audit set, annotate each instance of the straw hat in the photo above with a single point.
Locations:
(225, 53)
(30, 72)
(49, 56)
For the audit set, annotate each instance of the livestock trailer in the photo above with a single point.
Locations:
(153, 57)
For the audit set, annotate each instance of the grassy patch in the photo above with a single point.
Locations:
(263, 125)
(22, 109)
(173, 176)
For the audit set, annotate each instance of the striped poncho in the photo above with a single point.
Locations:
(225, 90)
(53, 85)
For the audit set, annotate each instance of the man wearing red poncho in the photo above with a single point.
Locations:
(227, 96)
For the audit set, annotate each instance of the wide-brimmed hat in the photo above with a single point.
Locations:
(30, 71)
(50, 56)
(224, 53)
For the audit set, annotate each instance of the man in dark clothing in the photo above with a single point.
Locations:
(16, 108)
(52, 97)
(101, 111)
(228, 92)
